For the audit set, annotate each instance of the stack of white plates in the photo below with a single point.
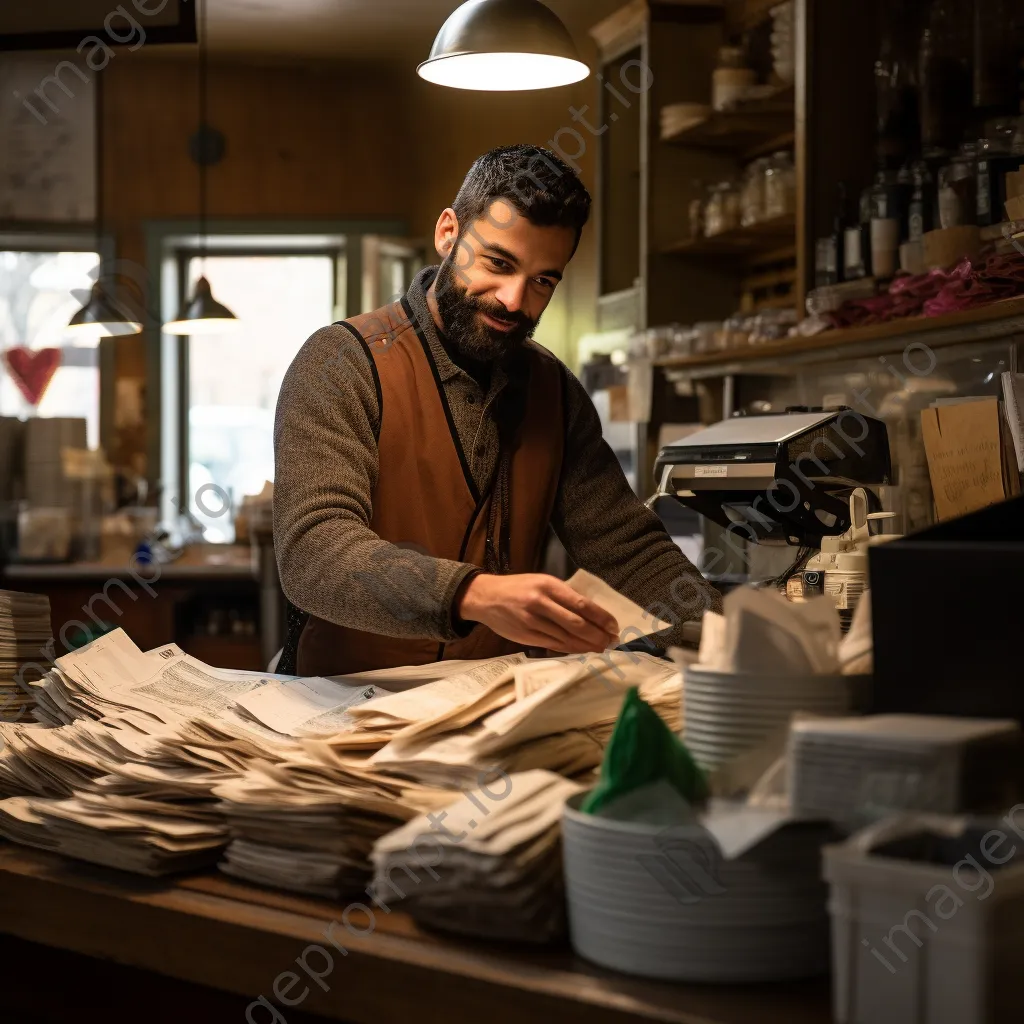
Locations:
(728, 715)
(649, 902)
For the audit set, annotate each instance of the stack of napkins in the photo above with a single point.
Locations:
(487, 865)
(760, 632)
(24, 634)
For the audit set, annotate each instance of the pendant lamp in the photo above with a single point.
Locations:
(203, 314)
(503, 46)
(102, 316)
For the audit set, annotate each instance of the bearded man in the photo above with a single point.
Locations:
(426, 450)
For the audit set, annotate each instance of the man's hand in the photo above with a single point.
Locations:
(538, 611)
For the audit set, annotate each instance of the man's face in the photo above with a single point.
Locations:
(497, 280)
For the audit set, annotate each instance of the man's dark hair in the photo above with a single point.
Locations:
(539, 184)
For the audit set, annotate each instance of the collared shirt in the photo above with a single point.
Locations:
(333, 566)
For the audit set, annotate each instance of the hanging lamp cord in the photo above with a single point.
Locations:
(203, 111)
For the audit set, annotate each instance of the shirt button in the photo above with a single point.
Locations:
(471, 400)
(481, 451)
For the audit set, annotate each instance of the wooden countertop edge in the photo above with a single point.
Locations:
(837, 340)
(79, 899)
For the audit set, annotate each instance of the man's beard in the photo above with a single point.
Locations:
(460, 314)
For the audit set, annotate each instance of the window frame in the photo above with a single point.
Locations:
(182, 258)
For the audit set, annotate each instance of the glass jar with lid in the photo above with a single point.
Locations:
(780, 186)
(723, 209)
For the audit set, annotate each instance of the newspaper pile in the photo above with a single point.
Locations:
(121, 766)
(488, 864)
(156, 762)
(555, 714)
(24, 635)
(144, 837)
(305, 827)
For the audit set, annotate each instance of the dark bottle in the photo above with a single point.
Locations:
(889, 203)
(897, 84)
(857, 250)
(946, 76)
(830, 250)
(923, 202)
(998, 48)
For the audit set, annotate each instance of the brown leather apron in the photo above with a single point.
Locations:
(425, 497)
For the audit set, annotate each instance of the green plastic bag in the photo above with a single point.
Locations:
(643, 750)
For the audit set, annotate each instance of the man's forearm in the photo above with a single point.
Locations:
(607, 530)
(340, 571)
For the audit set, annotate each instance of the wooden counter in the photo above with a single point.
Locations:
(230, 938)
(154, 604)
(200, 562)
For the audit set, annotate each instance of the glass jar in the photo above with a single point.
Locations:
(752, 197)
(706, 336)
(998, 155)
(958, 189)
(723, 209)
(732, 79)
(780, 187)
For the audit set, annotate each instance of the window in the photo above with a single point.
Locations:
(39, 293)
(234, 378)
(218, 393)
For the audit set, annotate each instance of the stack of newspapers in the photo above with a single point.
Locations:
(155, 762)
(24, 635)
(307, 824)
(489, 864)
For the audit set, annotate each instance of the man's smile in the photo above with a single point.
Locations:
(499, 325)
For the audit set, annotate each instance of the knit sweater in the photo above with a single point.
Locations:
(333, 566)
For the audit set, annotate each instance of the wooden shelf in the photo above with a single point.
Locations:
(752, 129)
(752, 241)
(999, 319)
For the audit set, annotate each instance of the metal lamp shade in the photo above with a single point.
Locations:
(203, 315)
(101, 317)
(503, 46)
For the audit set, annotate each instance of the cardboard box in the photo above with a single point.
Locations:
(969, 454)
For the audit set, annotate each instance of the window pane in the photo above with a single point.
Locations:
(39, 293)
(235, 377)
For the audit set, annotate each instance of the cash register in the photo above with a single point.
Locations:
(783, 478)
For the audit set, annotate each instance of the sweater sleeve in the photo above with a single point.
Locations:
(331, 563)
(607, 530)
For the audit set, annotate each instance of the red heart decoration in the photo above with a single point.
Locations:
(33, 371)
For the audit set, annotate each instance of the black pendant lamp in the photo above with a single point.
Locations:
(503, 46)
(203, 314)
(103, 315)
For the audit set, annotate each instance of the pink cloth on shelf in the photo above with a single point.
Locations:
(937, 292)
